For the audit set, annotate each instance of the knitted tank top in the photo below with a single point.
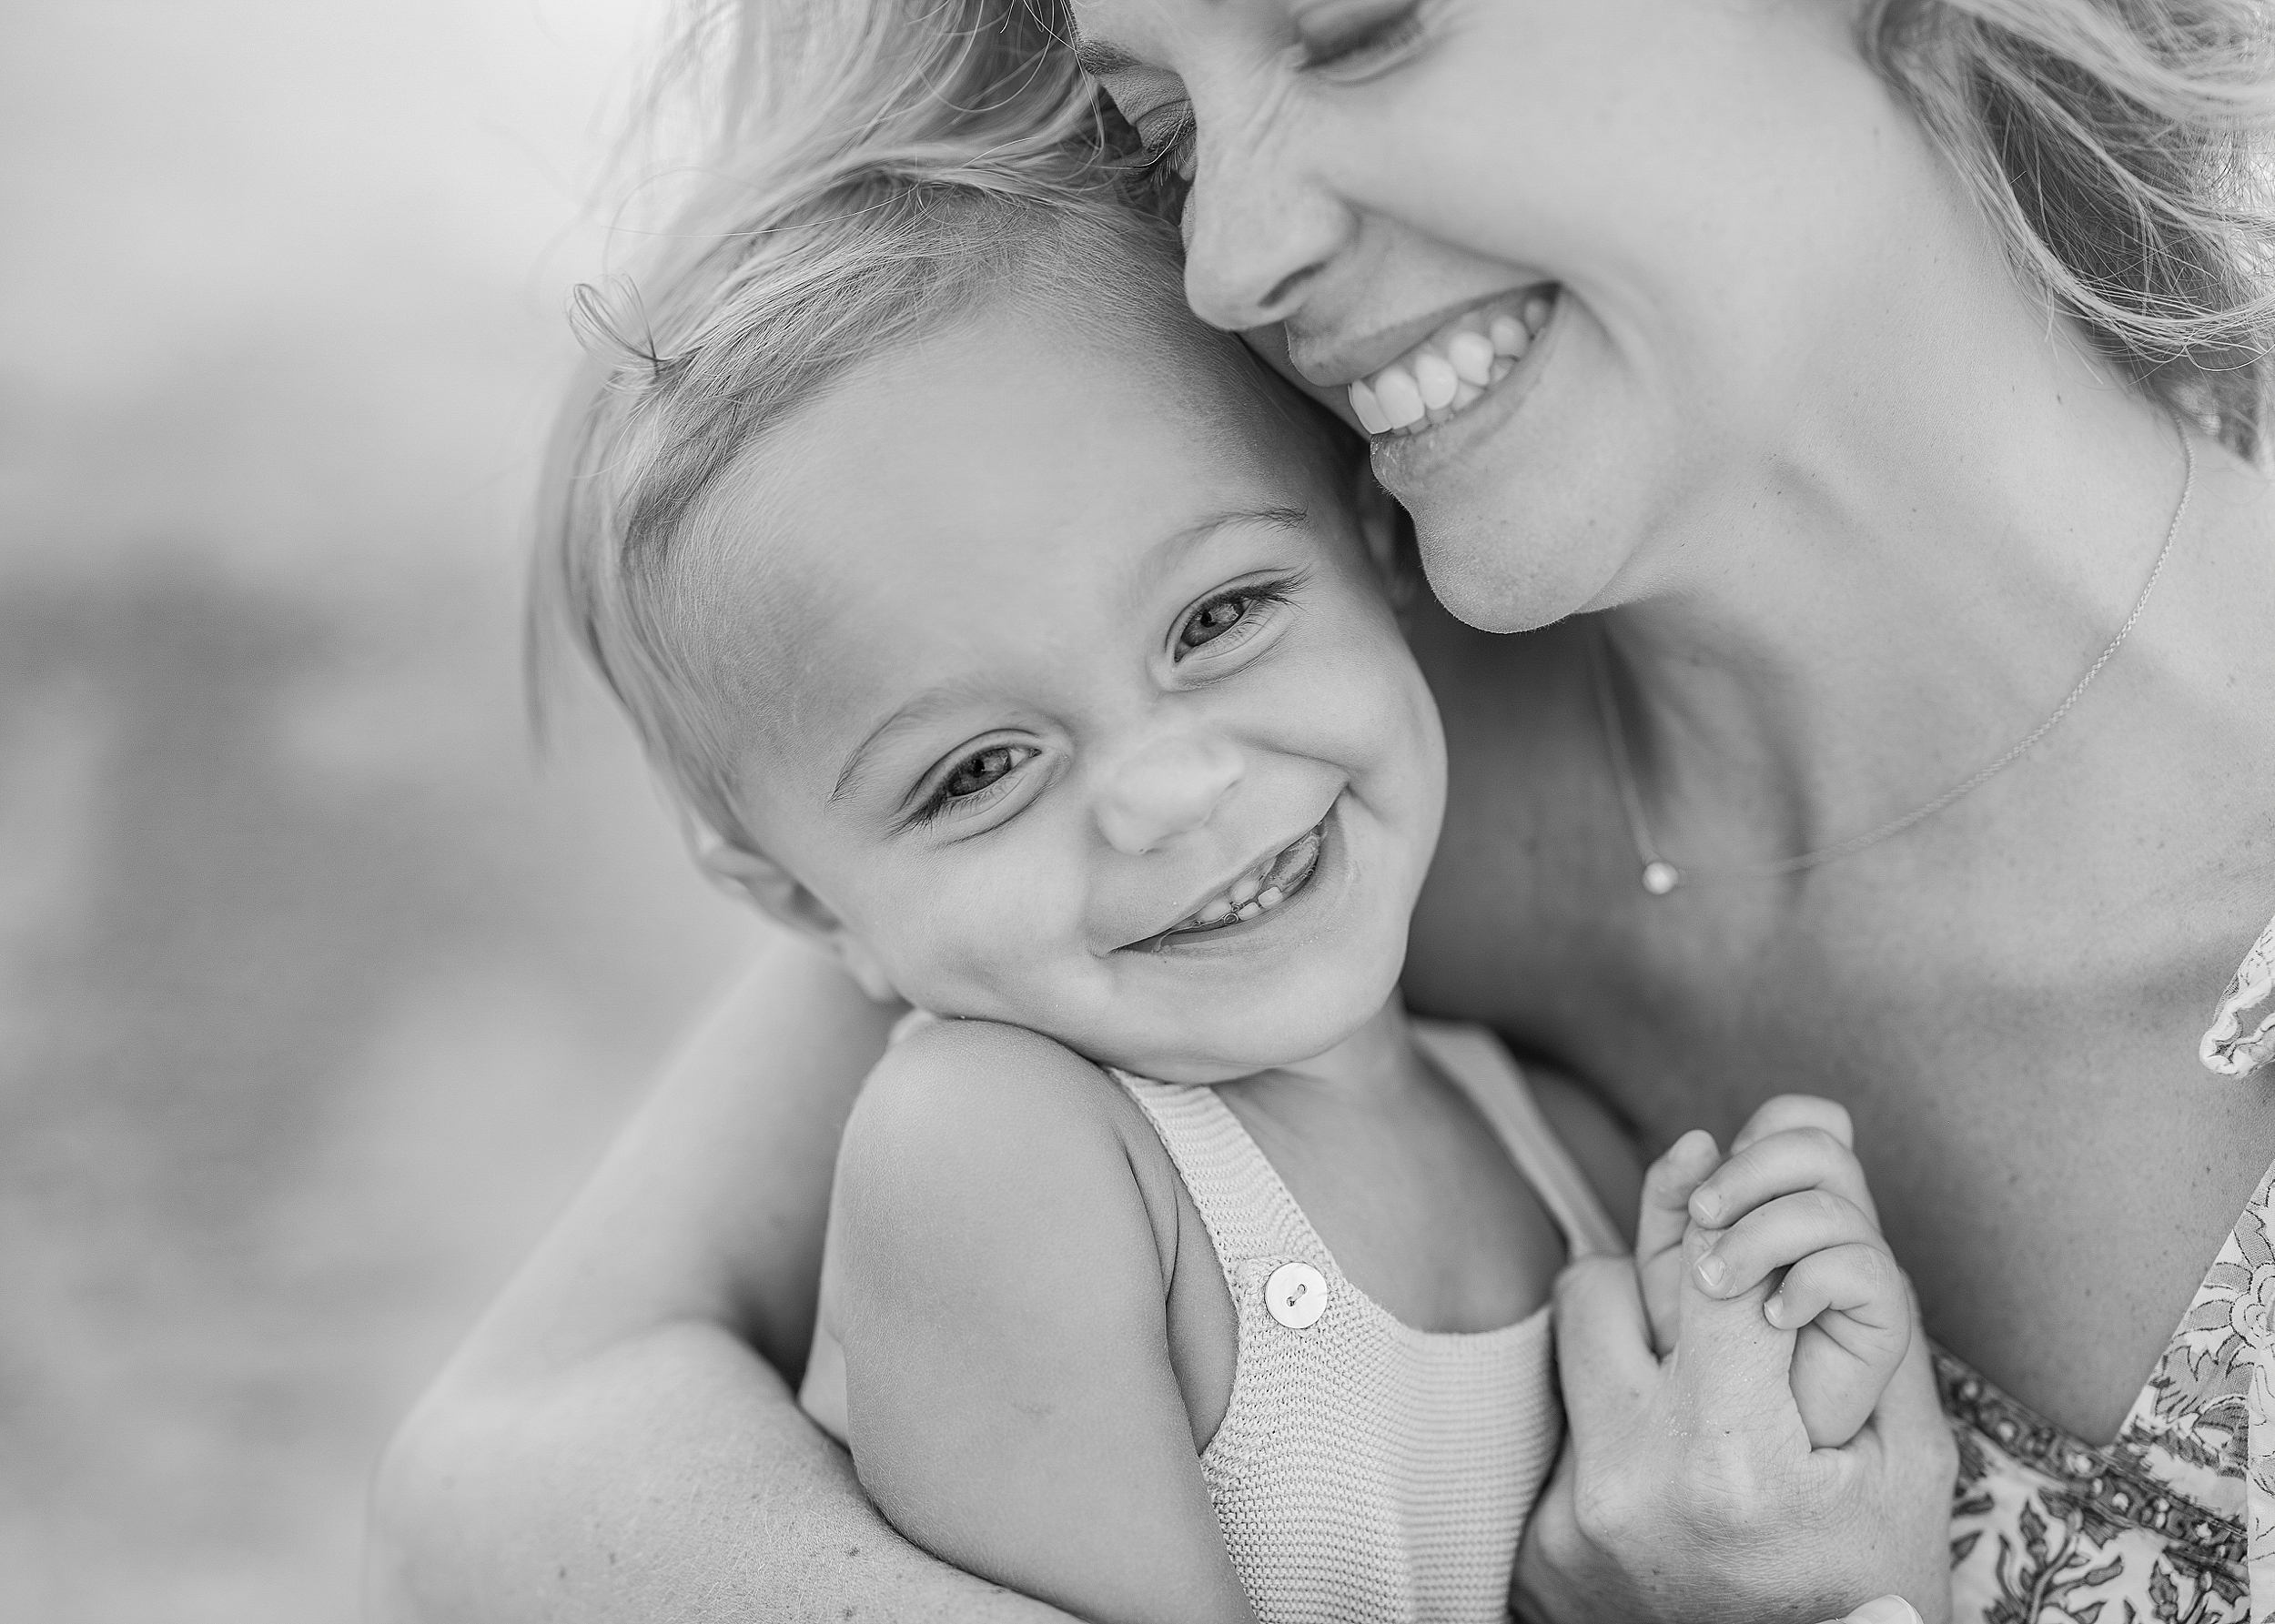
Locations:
(1366, 1470)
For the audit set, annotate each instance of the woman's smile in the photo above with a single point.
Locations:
(1455, 366)
(1408, 464)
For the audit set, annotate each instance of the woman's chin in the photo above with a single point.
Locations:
(1501, 577)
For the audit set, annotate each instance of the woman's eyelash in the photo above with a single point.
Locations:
(1367, 42)
(1174, 152)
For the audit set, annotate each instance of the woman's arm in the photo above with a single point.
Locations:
(615, 1441)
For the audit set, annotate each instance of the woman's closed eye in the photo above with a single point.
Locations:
(1168, 136)
(1348, 42)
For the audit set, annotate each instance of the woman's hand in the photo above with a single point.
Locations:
(1688, 1492)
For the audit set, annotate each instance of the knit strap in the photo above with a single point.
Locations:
(1478, 1064)
(1243, 1203)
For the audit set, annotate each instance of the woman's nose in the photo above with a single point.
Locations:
(1165, 787)
(1258, 232)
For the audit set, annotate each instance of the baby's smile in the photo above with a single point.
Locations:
(1271, 879)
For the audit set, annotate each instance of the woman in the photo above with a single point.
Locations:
(1899, 412)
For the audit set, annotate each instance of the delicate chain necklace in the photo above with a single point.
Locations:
(1660, 876)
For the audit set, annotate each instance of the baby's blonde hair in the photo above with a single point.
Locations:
(2124, 151)
(882, 169)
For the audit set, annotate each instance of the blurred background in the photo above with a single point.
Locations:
(318, 990)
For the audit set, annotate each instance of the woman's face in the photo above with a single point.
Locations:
(1692, 196)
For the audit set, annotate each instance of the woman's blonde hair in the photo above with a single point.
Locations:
(2121, 149)
(879, 168)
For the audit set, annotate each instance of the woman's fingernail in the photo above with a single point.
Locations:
(1710, 1269)
(1885, 1609)
(1706, 1206)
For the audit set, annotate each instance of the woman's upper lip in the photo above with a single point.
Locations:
(1331, 359)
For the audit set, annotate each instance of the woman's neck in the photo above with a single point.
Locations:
(1909, 585)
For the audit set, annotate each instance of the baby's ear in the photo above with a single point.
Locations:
(778, 894)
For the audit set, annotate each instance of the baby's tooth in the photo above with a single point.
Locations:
(1510, 338)
(1250, 911)
(1269, 897)
(1437, 379)
(1245, 890)
(1472, 357)
(1372, 417)
(1465, 394)
(1502, 366)
(1536, 312)
(1401, 400)
(1218, 910)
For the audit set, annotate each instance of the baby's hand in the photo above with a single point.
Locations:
(1791, 1196)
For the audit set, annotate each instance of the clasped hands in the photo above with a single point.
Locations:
(1752, 1430)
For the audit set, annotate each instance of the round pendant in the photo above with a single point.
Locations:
(1661, 877)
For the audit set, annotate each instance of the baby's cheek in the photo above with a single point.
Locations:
(980, 943)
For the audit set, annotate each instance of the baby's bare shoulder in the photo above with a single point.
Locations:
(987, 1125)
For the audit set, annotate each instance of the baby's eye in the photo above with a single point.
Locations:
(984, 769)
(1228, 619)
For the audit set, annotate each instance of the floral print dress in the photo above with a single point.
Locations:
(2175, 1521)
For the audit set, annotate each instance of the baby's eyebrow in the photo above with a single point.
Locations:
(916, 713)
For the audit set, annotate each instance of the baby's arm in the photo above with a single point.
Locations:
(1790, 1196)
(612, 1446)
(1000, 1292)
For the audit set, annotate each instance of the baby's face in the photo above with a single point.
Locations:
(1075, 697)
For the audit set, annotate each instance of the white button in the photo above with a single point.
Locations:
(1297, 1295)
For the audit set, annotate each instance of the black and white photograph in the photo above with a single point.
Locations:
(1155, 812)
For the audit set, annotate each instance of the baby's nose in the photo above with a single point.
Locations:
(1165, 788)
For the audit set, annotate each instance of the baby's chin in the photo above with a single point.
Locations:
(1198, 1040)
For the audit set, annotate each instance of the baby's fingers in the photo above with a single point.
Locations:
(1781, 1164)
(1778, 1234)
(1854, 1316)
(1784, 1112)
(1861, 1285)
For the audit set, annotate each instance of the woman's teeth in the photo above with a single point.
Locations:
(1256, 893)
(1452, 368)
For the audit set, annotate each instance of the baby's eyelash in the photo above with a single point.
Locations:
(940, 799)
(1255, 594)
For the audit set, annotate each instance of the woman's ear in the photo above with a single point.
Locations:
(778, 894)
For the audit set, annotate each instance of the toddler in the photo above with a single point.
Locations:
(1020, 642)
